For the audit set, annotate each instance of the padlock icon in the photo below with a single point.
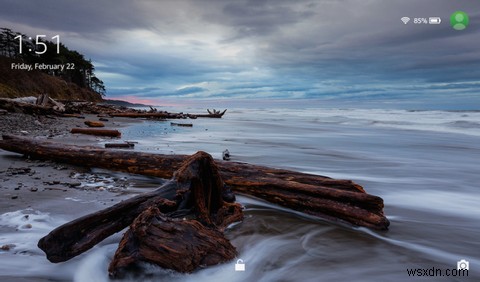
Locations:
(240, 266)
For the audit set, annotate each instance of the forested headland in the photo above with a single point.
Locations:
(77, 82)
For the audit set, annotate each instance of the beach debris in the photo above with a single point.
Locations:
(19, 106)
(157, 115)
(336, 200)
(197, 203)
(126, 145)
(213, 114)
(226, 155)
(79, 116)
(81, 107)
(19, 170)
(97, 132)
(45, 101)
(46, 106)
(28, 100)
(181, 124)
(92, 123)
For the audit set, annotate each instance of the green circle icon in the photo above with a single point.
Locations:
(459, 20)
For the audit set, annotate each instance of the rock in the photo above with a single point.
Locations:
(34, 189)
(14, 197)
(226, 155)
(7, 247)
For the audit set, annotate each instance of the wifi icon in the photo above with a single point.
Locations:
(405, 20)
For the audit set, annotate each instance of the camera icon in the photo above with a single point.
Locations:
(463, 265)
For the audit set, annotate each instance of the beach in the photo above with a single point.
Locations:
(422, 163)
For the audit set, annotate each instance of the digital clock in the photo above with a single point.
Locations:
(40, 45)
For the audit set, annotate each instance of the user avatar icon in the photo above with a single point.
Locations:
(459, 20)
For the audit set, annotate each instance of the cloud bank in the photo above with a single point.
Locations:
(331, 50)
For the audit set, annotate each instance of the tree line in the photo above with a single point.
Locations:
(81, 71)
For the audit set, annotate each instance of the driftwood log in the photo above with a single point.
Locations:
(167, 115)
(181, 124)
(126, 145)
(96, 132)
(27, 108)
(93, 123)
(336, 200)
(159, 115)
(196, 194)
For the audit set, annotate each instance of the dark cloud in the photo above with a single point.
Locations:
(259, 18)
(86, 16)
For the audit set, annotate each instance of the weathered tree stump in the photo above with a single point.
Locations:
(181, 245)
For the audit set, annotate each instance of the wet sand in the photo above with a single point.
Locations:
(54, 188)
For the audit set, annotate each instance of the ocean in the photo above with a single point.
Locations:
(424, 164)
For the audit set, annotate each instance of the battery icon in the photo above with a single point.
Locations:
(434, 20)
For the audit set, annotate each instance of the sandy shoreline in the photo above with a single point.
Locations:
(57, 189)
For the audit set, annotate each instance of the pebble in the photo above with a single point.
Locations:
(34, 189)
(14, 197)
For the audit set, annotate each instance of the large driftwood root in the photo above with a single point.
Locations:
(181, 245)
(196, 194)
(336, 200)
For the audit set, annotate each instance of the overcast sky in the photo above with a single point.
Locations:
(342, 50)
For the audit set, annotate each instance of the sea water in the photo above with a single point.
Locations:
(424, 164)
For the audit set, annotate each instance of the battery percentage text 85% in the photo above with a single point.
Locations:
(420, 20)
